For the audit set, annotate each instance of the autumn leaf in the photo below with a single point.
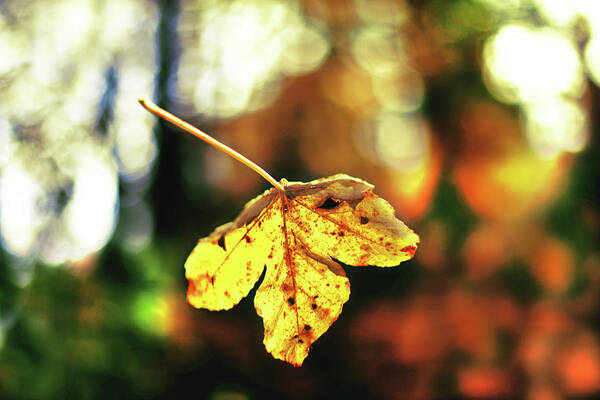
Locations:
(299, 232)
(298, 235)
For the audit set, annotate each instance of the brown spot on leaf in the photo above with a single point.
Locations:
(329, 204)
(221, 242)
(409, 249)
(191, 288)
(341, 233)
(248, 239)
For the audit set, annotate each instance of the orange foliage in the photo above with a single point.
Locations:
(410, 333)
(485, 250)
(544, 392)
(506, 312)
(411, 191)
(499, 175)
(394, 341)
(577, 365)
(471, 324)
(546, 323)
(484, 382)
(432, 253)
(553, 265)
(552, 346)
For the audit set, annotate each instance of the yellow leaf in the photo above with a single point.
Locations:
(297, 235)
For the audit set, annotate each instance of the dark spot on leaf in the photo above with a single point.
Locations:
(364, 220)
(307, 327)
(212, 280)
(314, 306)
(226, 293)
(291, 301)
(248, 239)
(221, 242)
(340, 233)
(329, 204)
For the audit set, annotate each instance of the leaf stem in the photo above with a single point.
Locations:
(153, 108)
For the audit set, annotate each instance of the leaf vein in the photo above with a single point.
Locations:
(260, 217)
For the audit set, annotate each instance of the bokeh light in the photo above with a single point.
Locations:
(525, 64)
(375, 48)
(555, 125)
(58, 143)
(244, 48)
(21, 218)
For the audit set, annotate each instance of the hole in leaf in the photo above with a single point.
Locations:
(330, 204)
(221, 242)
(307, 327)
(364, 220)
(291, 301)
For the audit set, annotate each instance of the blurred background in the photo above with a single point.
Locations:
(477, 119)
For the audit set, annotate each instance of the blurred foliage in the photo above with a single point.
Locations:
(476, 119)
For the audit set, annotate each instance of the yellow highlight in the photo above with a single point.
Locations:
(297, 235)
